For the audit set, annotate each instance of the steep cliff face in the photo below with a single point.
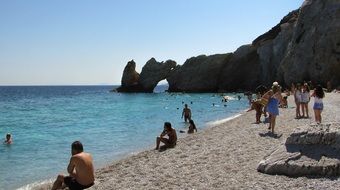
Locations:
(242, 71)
(314, 49)
(198, 74)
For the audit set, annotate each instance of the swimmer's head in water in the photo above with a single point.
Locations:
(8, 136)
(186, 105)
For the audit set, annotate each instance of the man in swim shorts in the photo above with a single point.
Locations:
(171, 133)
(80, 169)
(186, 113)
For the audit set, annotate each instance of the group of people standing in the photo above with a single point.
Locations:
(270, 101)
(302, 98)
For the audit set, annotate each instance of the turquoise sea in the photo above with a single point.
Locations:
(45, 120)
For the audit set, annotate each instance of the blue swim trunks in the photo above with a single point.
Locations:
(318, 106)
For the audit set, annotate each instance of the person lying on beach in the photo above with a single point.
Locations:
(80, 169)
(168, 142)
(186, 113)
(8, 139)
(257, 106)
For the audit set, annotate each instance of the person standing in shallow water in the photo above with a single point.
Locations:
(186, 113)
(273, 104)
(80, 168)
(318, 95)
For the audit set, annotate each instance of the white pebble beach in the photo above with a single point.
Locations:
(224, 156)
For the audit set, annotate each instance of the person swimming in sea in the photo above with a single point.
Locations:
(8, 139)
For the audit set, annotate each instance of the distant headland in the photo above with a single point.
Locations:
(304, 46)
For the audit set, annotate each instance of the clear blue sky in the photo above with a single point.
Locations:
(65, 42)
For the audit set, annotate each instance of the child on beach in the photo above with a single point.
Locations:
(305, 98)
(8, 139)
(273, 104)
(297, 99)
(318, 95)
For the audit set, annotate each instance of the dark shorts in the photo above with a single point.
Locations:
(72, 184)
(168, 143)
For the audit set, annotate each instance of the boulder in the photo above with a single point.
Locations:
(153, 72)
(312, 150)
(198, 74)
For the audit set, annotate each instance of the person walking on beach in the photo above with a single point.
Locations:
(169, 142)
(318, 95)
(186, 113)
(80, 169)
(8, 139)
(273, 104)
(192, 127)
(305, 98)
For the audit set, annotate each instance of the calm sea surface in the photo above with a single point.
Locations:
(45, 120)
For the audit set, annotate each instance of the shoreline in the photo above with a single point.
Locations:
(224, 156)
(46, 184)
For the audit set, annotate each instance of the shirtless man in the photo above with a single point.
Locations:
(80, 169)
(171, 133)
(186, 113)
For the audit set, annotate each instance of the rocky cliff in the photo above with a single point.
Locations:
(151, 74)
(304, 46)
(198, 74)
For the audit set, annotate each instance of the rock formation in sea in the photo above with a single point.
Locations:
(304, 46)
(147, 80)
(309, 150)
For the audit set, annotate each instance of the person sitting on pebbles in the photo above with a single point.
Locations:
(169, 142)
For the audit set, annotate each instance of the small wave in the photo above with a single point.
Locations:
(218, 122)
(39, 185)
